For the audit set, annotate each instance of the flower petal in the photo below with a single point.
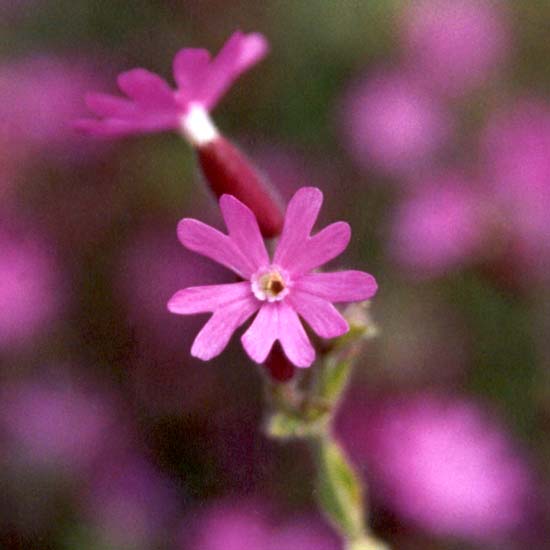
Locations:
(242, 51)
(262, 333)
(319, 314)
(189, 68)
(244, 230)
(200, 299)
(340, 286)
(238, 54)
(321, 248)
(213, 244)
(107, 105)
(216, 333)
(147, 88)
(300, 217)
(293, 337)
(109, 127)
(116, 127)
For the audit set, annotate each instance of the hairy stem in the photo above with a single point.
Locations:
(308, 413)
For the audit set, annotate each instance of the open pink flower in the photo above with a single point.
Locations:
(280, 289)
(152, 106)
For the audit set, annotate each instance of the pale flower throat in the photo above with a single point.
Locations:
(197, 126)
(271, 284)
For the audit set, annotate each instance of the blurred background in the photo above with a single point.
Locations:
(427, 126)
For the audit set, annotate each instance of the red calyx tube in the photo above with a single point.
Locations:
(228, 170)
(279, 367)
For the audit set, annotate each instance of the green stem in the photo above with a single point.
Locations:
(339, 489)
(308, 413)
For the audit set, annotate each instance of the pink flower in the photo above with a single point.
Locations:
(391, 123)
(32, 289)
(152, 106)
(515, 145)
(39, 97)
(56, 425)
(252, 524)
(438, 229)
(130, 503)
(280, 289)
(442, 464)
(455, 45)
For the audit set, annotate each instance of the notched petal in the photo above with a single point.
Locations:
(339, 286)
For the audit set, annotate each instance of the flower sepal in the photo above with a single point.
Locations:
(335, 371)
(307, 411)
(227, 170)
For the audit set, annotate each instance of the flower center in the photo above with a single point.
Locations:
(197, 126)
(270, 284)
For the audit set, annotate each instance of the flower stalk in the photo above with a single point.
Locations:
(306, 411)
(280, 291)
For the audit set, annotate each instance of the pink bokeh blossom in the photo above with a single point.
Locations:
(441, 464)
(56, 425)
(439, 228)
(391, 123)
(455, 45)
(32, 289)
(40, 96)
(516, 147)
(130, 503)
(280, 289)
(152, 106)
(237, 524)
